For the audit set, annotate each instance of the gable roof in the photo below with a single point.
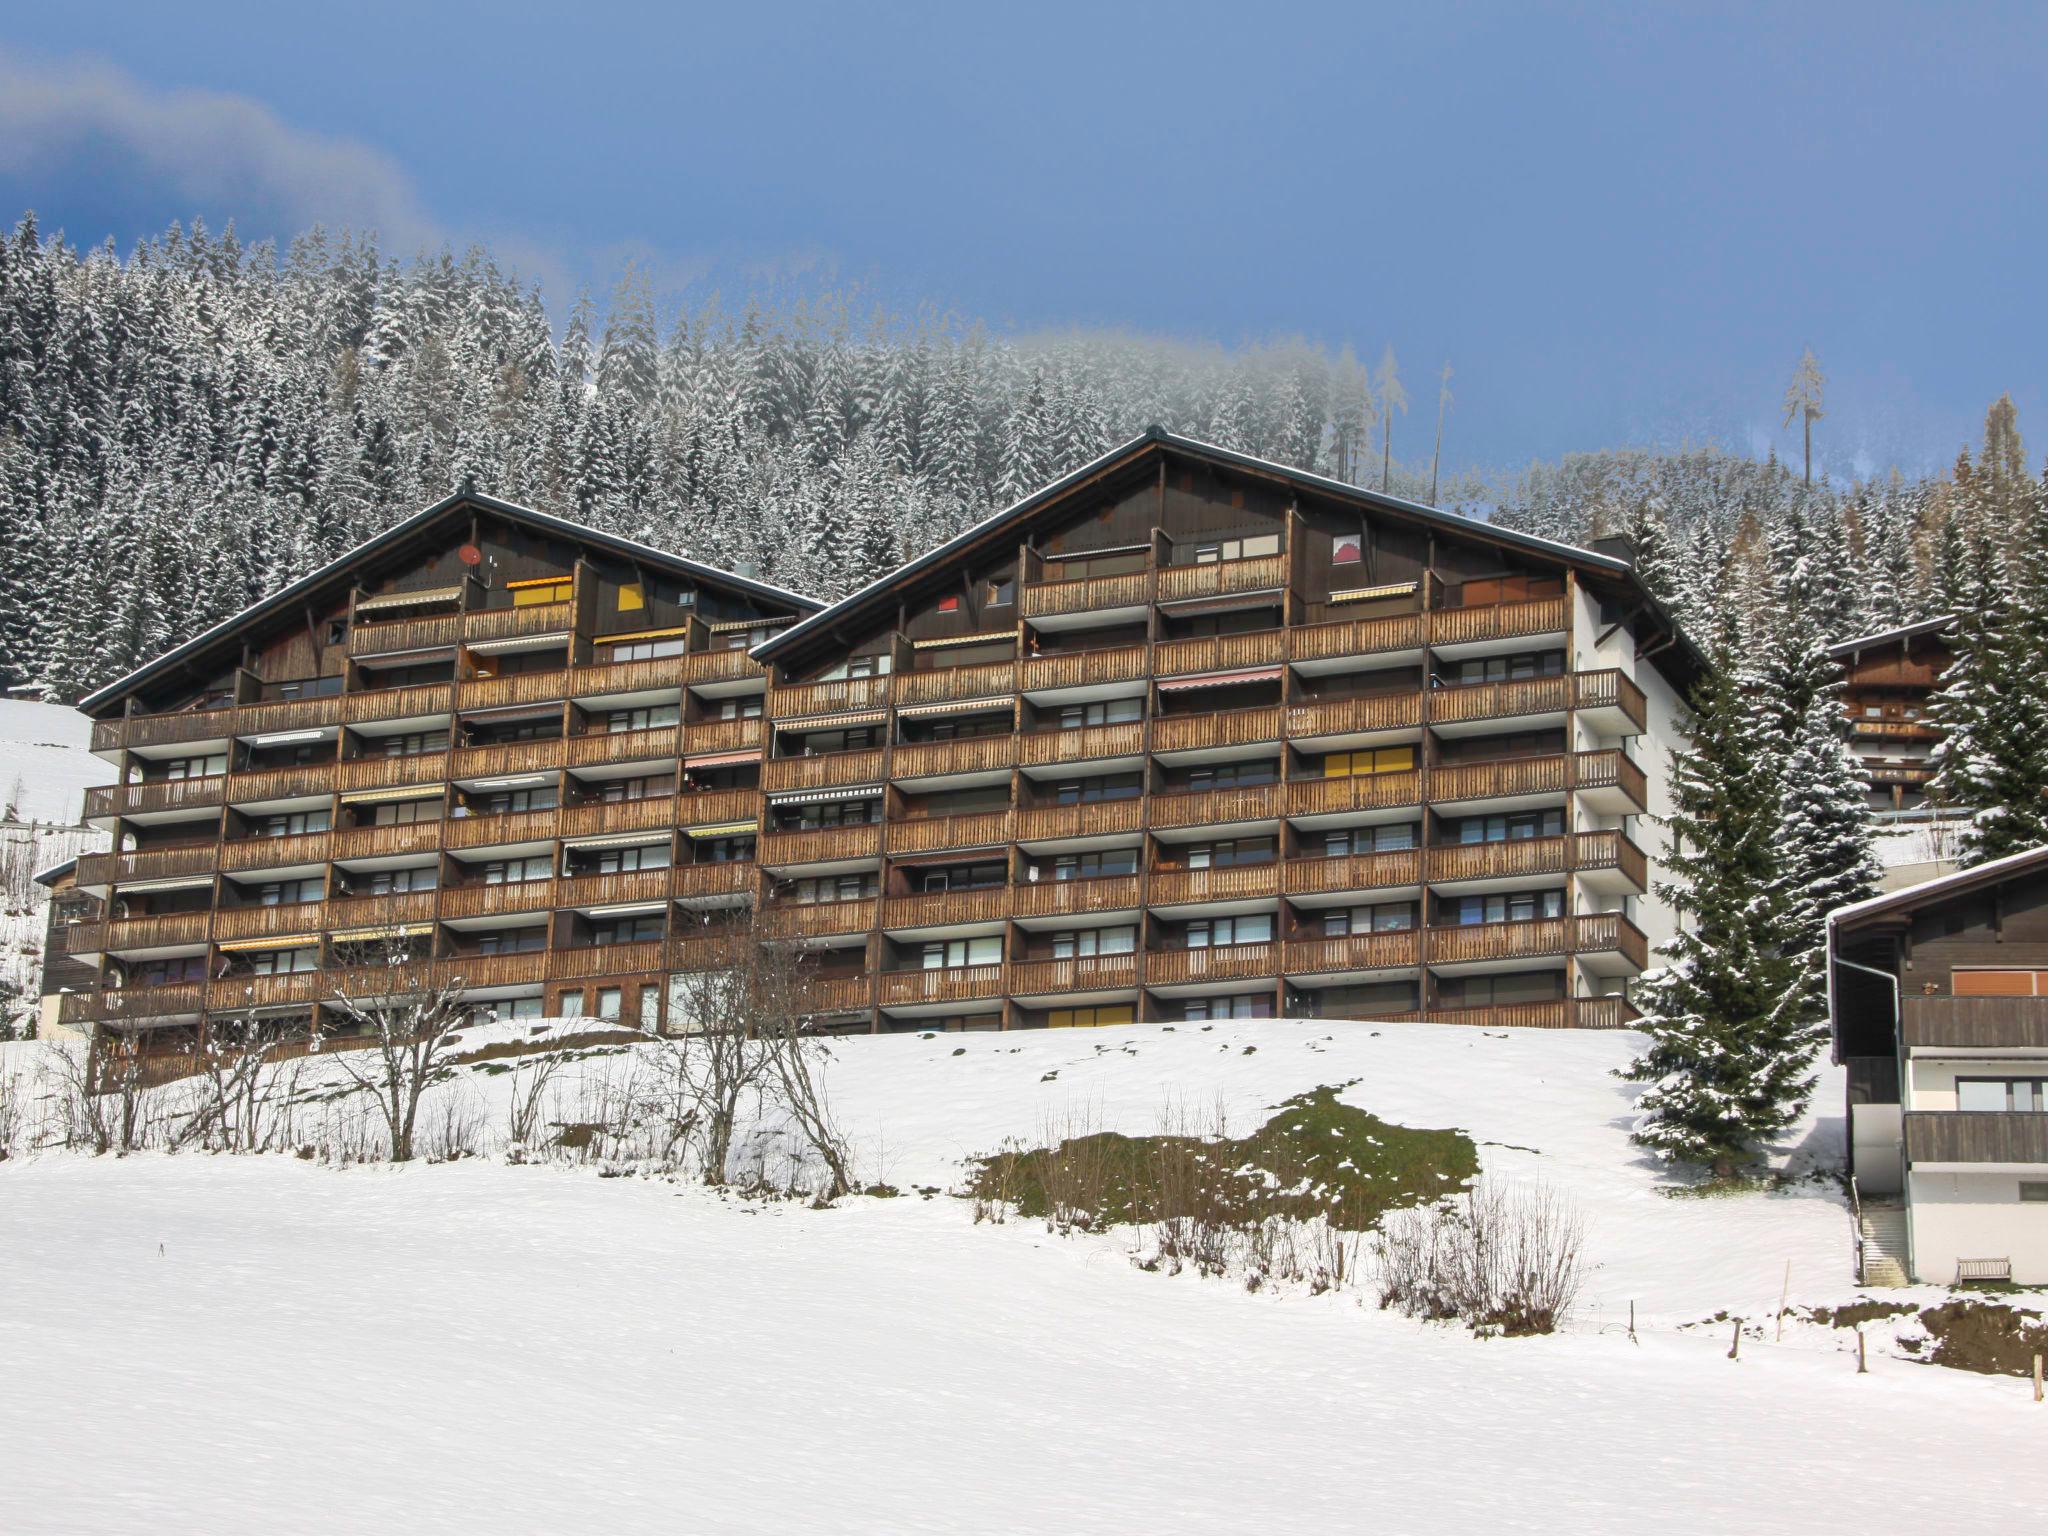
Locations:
(1618, 571)
(1940, 887)
(397, 534)
(1892, 636)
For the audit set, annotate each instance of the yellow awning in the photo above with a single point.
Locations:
(376, 796)
(395, 931)
(642, 634)
(539, 581)
(723, 829)
(286, 941)
(986, 637)
(1366, 594)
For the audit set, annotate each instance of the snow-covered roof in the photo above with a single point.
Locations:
(1963, 879)
(54, 873)
(1888, 636)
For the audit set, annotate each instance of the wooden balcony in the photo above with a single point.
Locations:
(1075, 898)
(510, 623)
(412, 703)
(1229, 728)
(626, 888)
(820, 845)
(132, 1005)
(501, 831)
(711, 882)
(961, 984)
(1086, 594)
(1080, 973)
(721, 666)
(838, 994)
(1240, 882)
(475, 971)
(827, 770)
(816, 919)
(1219, 653)
(708, 736)
(513, 688)
(383, 842)
(1610, 850)
(394, 636)
(1536, 939)
(1866, 729)
(1559, 1013)
(941, 685)
(102, 800)
(1610, 689)
(1221, 962)
(980, 829)
(1502, 778)
(233, 994)
(347, 913)
(717, 807)
(132, 933)
(1083, 669)
(163, 730)
(2010, 1138)
(1610, 932)
(598, 960)
(1897, 671)
(427, 769)
(1611, 768)
(1356, 637)
(657, 744)
(1050, 823)
(937, 909)
(481, 900)
(1519, 858)
(507, 759)
(301, 781)
(1499, 701)
(1082, 744)
(1348, 717)
(288, 714)
(656, 673)
(603, 818)
(268, 922)
(1354, 792)
(276, 852)
(1217, 807)
(1976, 1023)
(1399, 950)
(935, 759)
(97, 869)
(800, 700)
(1178, 583)
(1499, 621)
(1355, 872)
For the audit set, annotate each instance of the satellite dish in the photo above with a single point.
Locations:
(469, 554)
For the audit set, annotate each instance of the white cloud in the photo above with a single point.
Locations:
(208, 148)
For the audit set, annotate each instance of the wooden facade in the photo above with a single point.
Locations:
(1889, 679)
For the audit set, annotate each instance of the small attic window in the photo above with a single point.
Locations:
(1347, 551)
(949, 604)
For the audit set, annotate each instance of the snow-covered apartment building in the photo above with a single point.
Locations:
(1185, 735)
(1939, 1005)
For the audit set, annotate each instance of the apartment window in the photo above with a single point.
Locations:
(511, 802)
(748, 708)
(743, 639)
(403, 813)
(620, 861)
(411, 743)
(1109, 786)
(647, 718)
(1253, 771)
(1501, 669)
(611, 1002)
(337, 631)
(512, 941)
(1491, 991)
(1246, 1005)
(841, 741)
(1509, 907)
(856, 666)
(2034, 1189)
(949, 953)
(163, 973)
(1253, 928)
(196, 767)
(1371, 760)
(1384, 917)
(1002, 592)
(1230, 853)
(725, 850)
(1094, 941)
(1394, 837)
(1101, 712)
(284, 962)
(646, 650)
(518, 871)
(1348, 550)
(305, 688)
(290, 893)
(531, 594)
(1092, 1018)
(827, 888)
(1091, 866)
(393, 882)
(293, 823)
(949, 604)
(1237, 549)
(627, 930)
(2026, 1095)
(832, 813)
(1508, 828)
(964, 877)
(970, 727)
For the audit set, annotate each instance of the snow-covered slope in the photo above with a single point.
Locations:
(45, 768)
(277, 1344)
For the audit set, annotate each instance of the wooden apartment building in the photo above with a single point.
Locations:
(1186, 735)
(1889, 678)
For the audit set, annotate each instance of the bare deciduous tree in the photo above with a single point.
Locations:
(237, 1084)
(412, 1021)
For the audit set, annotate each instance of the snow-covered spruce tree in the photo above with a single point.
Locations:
(1730, 1049)
(1824, 842)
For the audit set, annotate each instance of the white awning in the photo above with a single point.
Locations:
(626, 909)
(810, 796)
(285, 941)
(1367, 594)
(513, 781)
(287, 738)
(832, 722)
(723, 759)
(394, 931)
(179, 883)
(639, 839)
(416, 599)
(1220, 679)
(959, 706)
(520, 643)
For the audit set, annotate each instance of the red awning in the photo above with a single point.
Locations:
(1220, 679)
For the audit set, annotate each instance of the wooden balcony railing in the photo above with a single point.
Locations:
(128, 1005)
(501, 831)
(935, 759)
(1492, 701)
(96, 869)
(1976, 1023)
(987, 679)
(657, 744)
(393, 636)
(1595, 932)
(932, 909)
(507, 759)
(975, 830)
(2011, 1137)
(627, 887)
(603, 817)
(705, 736)
(300, 781)
(1558, 1013)
(816, 919)
(1180, 582)
(1072, 898)
(959, 984)
(1498, 621)
(1355, 872)
(1082, 744)
(655, 673)
(259, 921)
(1086, 594)
(1397, 950)
(1080, 973)
(1895, 730)
(1240, 882)
(1501, 778)
(1082, 669)
(1370, 712)
(229, 994)
(1356, 637)
(508, 623)
(1219, 653)
(827, 770)
(802, 699)
(475, 971)
(166, 730)
(513, 688)
(1047, 823)
(381, 772)
(721, 666)
(1610, 850)
(344, 914)
(1609, 689)
(1354, 792)
(820, 845)
(837, 994)
(130, 933)
(482, 900)
(704, 882)
(1230, 728)
(1221, 962)
(1451, 862)
(716, 807)
(606, 960)
(1217, 807)
(419, 701)
(382, 842)
(160, 795)
(276, 852)
(1533, 939)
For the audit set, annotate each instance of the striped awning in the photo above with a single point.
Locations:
(810, 796)
(512, 781)
(416, 599)
(285, 941)
(987, 637)
(520, 643)
(721, 759)
(832, 722)
(538, 581)
(287, 738)
(619, 840)
(723, 829)
(958, 706)
(378, 796)
(731, 626)
(1220, 679)
(1367, 594)
(641, 634)
(179, 883)
(393, 931)
(1231, 604)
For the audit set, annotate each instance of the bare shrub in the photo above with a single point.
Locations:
(531, 1081)
(412, 1023)
(101, 1096)
(1506, 1259)
(238, 1082)
(454, 1128)
(13, 1112)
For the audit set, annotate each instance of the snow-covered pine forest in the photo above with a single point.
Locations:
(194, 424)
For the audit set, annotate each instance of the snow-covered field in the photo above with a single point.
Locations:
(201, 1343)
(45, 768)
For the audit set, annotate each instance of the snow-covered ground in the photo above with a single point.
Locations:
(45, 768)
(199, 1343)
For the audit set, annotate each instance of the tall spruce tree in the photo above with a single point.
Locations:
(1730, 1055)
(1824, 843)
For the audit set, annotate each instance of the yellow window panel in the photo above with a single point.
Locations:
(631, 597)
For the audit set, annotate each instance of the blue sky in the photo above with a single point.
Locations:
(1618, 224)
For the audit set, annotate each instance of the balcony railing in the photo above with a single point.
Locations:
(1219, 653)
(817, 919)
(1229, 728)
(513, 688)
(827, 770)
(2010, 1137)
(802, 699)
(260, 921)
(936, 759)
(1977, 1023)
(1221, 962)
(1048, 823)
(382, 842)
(1354, 872)
(603, 817)
(276, 852)
(508, 759)
(707, 736)
(1178, 583)
(505, 830)
(481, 900)
(988, 679)
(1081, 669)
(624, 888)
(658, 743)
(1342, 717)
(1081, 744)
(509, 623)
(160, 795)
(656, 673)
(164, 931)
(1086, 594)
(703, 882)
(394, 636)
(129, 1005)
(975, 830)
(956, 985)
(1240, 882)
(1070, 898)
(1357, 637)
(1217, 807)
(1078, 973)
(933, 909)
(716, 807)
(96, 869)
(1498, 621)
(1355, 792)
(820, 845)
(1398, 950)
(1610, 689)
(426, 769)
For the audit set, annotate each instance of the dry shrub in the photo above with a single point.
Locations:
(1506, 1259)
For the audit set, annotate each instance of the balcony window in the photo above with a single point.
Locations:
(949, 604)
(290, 893)
(1347, 551)
(648, 718)
(611, 1002)
(1245, 1005)
(518, 871)
(748, 708)
(1506, 589)
(646, 650)
(622, 861)
(2024, 1095)
(404, 813)
(1511, 828)
(547, 589)
(284, 962)
(196, 767)
(1001, 593)
(409, 744)
(1367, 761)
(1094, 941)
(1502, 669)
(1252, 928)
(513, 802)
(1503, 907)
(1384, 917)
(1092, 1018)
(950, 953)
(1393, 837)
(304, 688)
(649, 787)
(1091, 866)
(1217, 550)
(964, 877)
(1247, 774)
(627, 930)
(831, 888)
(396, 882)
(1076, 717)
(725, 850)
(1110, 786)
(512, 941)
(164, 973)
(1231, 853)
(293, 823)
